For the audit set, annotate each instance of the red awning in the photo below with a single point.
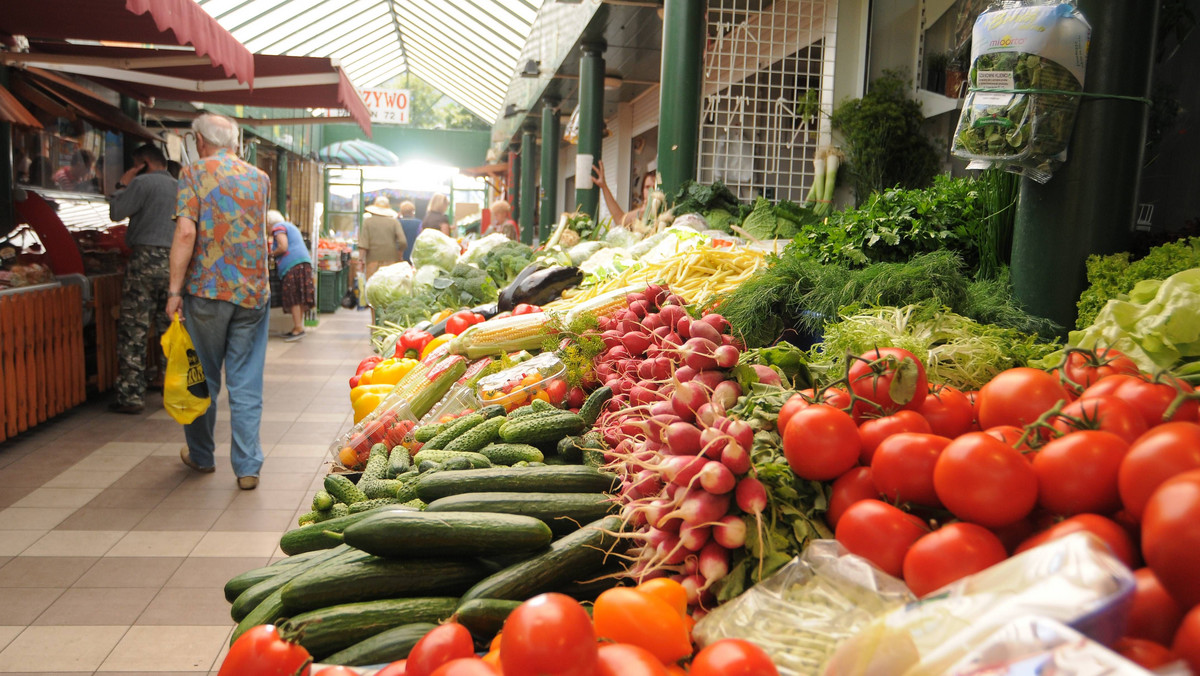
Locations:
(135, 21)
(280, 81)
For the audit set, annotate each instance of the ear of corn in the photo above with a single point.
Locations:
(498, 336)
(604, 304)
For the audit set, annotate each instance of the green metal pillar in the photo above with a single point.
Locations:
(549, 189)
(679, 96)
(591, 127)
(516, 190)
(8, 216)
(1088, 206)
(129, 142)
(281, 186)
(529, 193)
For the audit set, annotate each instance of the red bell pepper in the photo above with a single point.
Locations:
(411, 342)
(367, 364)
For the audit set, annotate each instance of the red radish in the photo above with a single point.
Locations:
(727, 339)
(685, 374)
(716, 478)
(714, 563)
(697, 353)
(611, 338)
(639, 308)
(717, 322)
(675, 299)
(641, 396)
(713, 442)
(767, 375)
(663, 368)
(710, 379)
(741, 431)
(672, 339)
(689, 396)
(655, 294)
(575, 397)
(645, 370)
(671, 551)
(700, 506)
(655, 537)
(700, 329)
(670, 314)
(683, 326)
(633, 515)
(707, 414)
(730, 532)
(726, 394)
(662, 408)
(656, 426)
(631, 298)
(751, 496)
(681, 469)
(692, 584)
(683, 438)
(736, 458)
(656, 511)
(693, 538)
(617, 352)
(726, 356)
(690, 566)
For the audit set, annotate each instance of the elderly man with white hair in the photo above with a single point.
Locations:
(219, 283)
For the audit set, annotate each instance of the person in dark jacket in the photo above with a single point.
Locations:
(412, 226)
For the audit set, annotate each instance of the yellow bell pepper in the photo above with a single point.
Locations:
(388, 372)
(436, 342)
(358, 392)
(368, 402)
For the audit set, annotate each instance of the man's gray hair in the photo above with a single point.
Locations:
(217, 130)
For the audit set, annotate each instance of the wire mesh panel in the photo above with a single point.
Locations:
(768, 92)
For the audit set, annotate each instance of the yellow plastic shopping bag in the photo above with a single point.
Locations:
(185, 391)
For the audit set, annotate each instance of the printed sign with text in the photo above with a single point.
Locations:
(387, 106)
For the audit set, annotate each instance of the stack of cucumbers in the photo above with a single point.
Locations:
(362, 588)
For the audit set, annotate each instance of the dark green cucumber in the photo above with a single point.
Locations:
(428, 466)
(315, 536)
(297, 558)
(314, 517)
(325, 631)
(423, 534)
(611, 575)
(376, 465)
(458, 463)
(477, 437)
(240, 583)
(377, 578)
(453, 431)
(382, 648)
(492, 411)
(484, 618)
(573, 557)
(541, 430)
(566, 479)
(570, 449)
(372, 504)
(498, 562)
(563, 512)
(398, 462)
(595, 402)
(322, 501)
(339, 510)
(541, 406)
(343, 489)
(380, 488)
(426, 432)
(249, 599)
(510, 454)
(269, 611)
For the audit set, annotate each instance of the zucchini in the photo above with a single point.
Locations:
(377, 578)
(325, 631)
(475, 460)
(477, 437)
(421, 534)
(566, 479)
(322, 501)
(575, 556)
(313, 536)
(253, 596)
(382, 648)
(508, 454)
(595, 402)
(426, 432)
(453, 431)
(484, 618)
(563, 512)
(343, 490)
(398, 461)
(376, 465)
(380, 488)
(540, 430)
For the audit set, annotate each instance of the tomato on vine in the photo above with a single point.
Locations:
(1170, 538)
(821, 443)
(525, 647)
(891, 378)
(950, 553)
(1159, 400)
(985, 481)
(1082, 368)
(1107, 413)
(1077, 473)
(733, 657)
(1109, 531)
(1153, 615)
(849, 488)
(874, 430)
(1018, 397)
(880, 533)
(262, 651)
(1166, 450)
(903, 467)
(948, 411)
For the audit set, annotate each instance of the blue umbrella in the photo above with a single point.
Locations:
(358, 153)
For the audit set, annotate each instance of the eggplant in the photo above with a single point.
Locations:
(545, 285)
(506, 302)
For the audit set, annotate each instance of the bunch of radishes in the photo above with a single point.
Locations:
(686, 466)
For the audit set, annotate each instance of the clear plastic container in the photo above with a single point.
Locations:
(1036, 645)
(390, 424)
(542, 377)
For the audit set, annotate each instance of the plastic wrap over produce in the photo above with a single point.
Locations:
(1075, 580)
(1036, 645)
(801, 613)
(1028, 60)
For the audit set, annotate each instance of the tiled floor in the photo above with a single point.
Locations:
(113, 555)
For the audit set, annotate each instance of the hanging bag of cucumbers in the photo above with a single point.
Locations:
(1028, 59)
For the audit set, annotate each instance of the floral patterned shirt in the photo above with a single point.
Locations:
(227, 199)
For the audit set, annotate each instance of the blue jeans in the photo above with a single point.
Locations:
(233, 336)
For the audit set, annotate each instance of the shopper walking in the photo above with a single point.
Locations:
(219, 281)
(435, 214)
(502, 221)
(146, 196)
(295, 271)
(411, 225)
(381, 239)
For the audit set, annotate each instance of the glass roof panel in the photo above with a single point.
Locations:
(468, 49)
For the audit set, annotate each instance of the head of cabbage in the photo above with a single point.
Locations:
(388, 283)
